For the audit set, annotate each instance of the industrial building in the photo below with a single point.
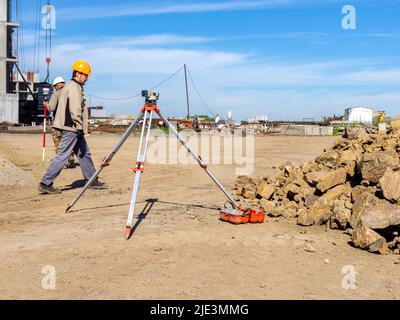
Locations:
(8, 98)
(359, 115)
(258, 119)
(21, 93)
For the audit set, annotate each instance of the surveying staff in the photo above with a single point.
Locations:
(58, 85)
(70, 119)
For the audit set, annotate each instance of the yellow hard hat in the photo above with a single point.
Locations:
(82, 66)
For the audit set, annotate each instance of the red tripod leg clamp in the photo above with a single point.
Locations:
(201, 163)
(139, 166)
(105, 163)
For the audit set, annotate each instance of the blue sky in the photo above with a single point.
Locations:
(289, 59)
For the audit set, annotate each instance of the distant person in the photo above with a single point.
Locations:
(70, 119)
(216, 121)
(58, 85)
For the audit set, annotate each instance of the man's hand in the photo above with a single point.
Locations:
(79, 133)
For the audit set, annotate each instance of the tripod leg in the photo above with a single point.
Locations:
(199, 160)
(106, 161)
(139, 167)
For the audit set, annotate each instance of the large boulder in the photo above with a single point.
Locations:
(357, 191)
(336, 192)
(365, 201)
(332, 179)
(366, 238)
(249, 191)
(277, 211)
(390, 184)
(265, 190)
(314, 177)
(341, 216)
(304, 218)
(349, 156)
(267, 206)
(381, 216)
(372, 166)
(291, 190)
(241, 181)
(320, 212)
(328, 158)
(290, 210)
(389, 144)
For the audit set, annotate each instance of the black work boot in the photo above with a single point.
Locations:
(44, 189)
(96, 184)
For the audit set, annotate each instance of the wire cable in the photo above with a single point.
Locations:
(170, 77)
(198, 93)
(114, 99)
(138, 95)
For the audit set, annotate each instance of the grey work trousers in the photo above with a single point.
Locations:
(70, 142)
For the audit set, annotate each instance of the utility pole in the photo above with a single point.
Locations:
(187, 93)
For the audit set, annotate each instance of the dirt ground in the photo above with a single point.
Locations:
(179, 248)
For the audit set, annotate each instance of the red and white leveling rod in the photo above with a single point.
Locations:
(44, 131)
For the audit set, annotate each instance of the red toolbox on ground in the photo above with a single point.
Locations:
(256, 216)
(242, 216)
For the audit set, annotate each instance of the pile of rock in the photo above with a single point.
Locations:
(13, 176)
(354, 186)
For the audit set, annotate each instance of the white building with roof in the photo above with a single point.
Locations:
(359, 115)
(258, 119)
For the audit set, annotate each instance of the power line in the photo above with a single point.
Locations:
(198, 93)
(124, 98)
(171, 76)
(138, 95)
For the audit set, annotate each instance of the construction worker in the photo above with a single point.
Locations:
(58, 85)
(70, 119)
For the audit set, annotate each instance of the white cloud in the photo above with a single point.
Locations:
(109, 60)
(135, 9)
(227, 80)
(373, 76)
(155, 39)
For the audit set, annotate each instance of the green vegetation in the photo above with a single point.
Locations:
(205, 117)
(375, 122)
(337, 131)
(164, 129)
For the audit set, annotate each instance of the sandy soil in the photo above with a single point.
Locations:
(179, 250)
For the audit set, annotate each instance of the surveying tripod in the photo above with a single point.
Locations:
(146, 113)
